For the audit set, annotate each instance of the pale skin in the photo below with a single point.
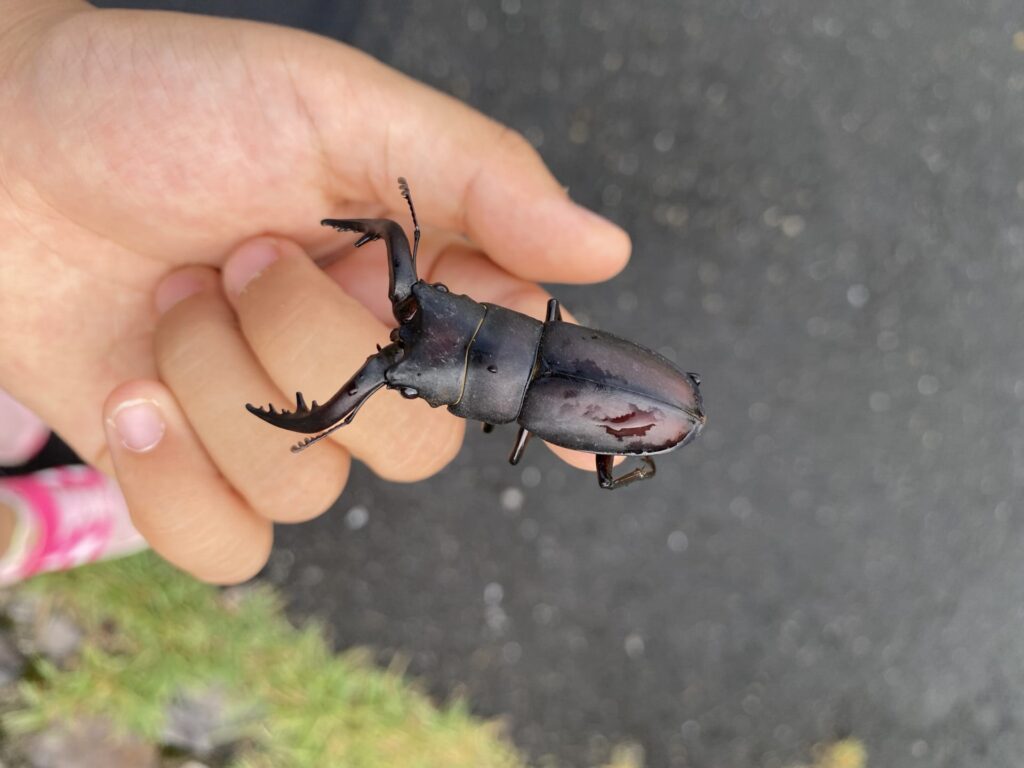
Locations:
(150, 163)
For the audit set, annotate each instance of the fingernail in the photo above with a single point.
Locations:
(138, 424)
(246, 264)
(175, 288)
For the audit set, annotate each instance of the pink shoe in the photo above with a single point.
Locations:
(65, 517)
(22, 434)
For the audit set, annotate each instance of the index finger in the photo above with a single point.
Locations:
(468, 173)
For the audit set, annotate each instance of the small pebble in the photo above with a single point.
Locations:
(634, 645)
(88, 744)
(678, 541)
(663, 140)
(357, 517)
(493, 593)
(200, 722)
(511, 652)
(792, 226)
(57, 637)
(857, 295)
(531, 477)
(879, 401)
(927, 385)
(512, 499)
(12, 663)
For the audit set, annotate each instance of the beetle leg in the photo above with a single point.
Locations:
(605, 462)
(522, 438)
(340, 409)
(554, 311)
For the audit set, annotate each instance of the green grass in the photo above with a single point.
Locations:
(152, 632)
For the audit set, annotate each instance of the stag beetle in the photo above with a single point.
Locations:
(571, 386)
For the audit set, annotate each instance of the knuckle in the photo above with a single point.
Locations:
(239, 561)
(181, 333)
(428, 448)
(225, 546)
(307, 495)
(511, 142)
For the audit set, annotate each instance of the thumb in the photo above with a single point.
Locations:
(468, 173)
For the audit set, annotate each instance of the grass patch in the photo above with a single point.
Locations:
(153, 633)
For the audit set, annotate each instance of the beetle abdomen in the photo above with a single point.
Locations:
(498, 366)
(595, 392)
(586, 416)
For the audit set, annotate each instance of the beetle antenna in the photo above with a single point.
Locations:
(403, 185)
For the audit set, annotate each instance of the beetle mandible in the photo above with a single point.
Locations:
(569, 385)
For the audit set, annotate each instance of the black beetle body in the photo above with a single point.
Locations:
(571, 386)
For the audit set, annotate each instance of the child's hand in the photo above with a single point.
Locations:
(136, 143)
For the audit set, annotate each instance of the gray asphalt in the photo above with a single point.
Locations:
(825, 200)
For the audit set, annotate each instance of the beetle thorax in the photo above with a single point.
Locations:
(435, 336)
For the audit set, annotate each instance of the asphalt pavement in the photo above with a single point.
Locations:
(825, 200)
